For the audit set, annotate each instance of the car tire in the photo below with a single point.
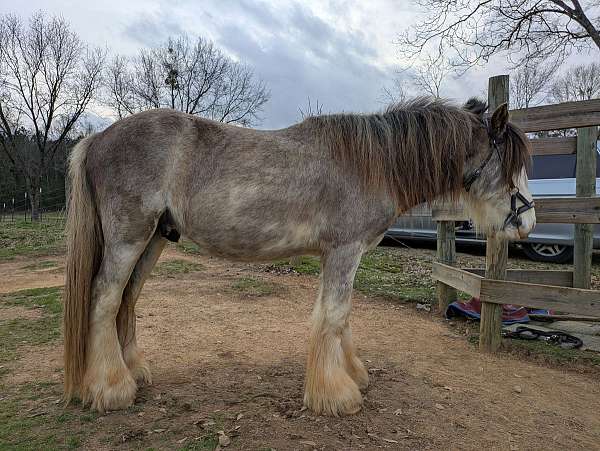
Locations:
(549, 253)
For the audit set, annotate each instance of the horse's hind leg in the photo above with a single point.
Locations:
(107, 382)
(334, 373)
(133, 356)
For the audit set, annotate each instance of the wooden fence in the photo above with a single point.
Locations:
(565, 291)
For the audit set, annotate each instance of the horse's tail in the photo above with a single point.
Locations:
(84, 254)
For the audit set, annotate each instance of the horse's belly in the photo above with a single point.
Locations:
(257, 243)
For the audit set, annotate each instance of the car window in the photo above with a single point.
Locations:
(555, 167)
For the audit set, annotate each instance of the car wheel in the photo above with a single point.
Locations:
(552, 253)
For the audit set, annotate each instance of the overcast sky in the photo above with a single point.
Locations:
(339, 52)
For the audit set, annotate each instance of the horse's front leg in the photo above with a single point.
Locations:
(334, 373)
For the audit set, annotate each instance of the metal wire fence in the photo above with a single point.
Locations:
(52, 207)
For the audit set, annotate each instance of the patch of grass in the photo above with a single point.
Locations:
(210, 440)
(44, 264)
(188, 247)
(72, 442)
(548, 353)
(25, 423)
(19, 331)
(382, 272)
(545, 353)
(170, 268)
(207, 442)
(254, 287)
(30, 419)
(301, 265)
(31, 239)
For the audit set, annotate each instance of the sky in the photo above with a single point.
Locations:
(341, 53)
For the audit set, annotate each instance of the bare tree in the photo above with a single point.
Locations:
(527, 83)
(47, 79)
(395, 93)
(430, 75)
(577, 83)
(477, 29)
(193, 77)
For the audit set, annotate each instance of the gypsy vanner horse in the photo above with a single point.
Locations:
(328, 186)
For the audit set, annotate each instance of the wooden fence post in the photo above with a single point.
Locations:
(586, 187)
(490, 335)
(446, 253)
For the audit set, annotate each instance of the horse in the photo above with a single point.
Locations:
(328, 186)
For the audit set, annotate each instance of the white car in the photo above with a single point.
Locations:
(550, 175)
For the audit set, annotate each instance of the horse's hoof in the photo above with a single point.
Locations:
(115, 392)
(339, 397)
(358, 373)
(142, 374)
(139, 367)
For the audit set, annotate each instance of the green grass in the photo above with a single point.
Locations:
(381, 273)
(187, 247)
(545, 353)
(251, 286)
(548, 353)
(29, 421)
(207, 442)
(302, 265)
(171, 268)
(210, 439)
(31, 239)
(23, 331)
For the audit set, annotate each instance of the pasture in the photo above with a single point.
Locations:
(227, 344)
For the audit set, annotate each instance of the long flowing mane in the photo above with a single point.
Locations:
(415, 149)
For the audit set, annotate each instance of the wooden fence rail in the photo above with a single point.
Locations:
(565, 291)
(555, 117)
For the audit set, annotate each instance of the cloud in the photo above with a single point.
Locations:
(339, 52)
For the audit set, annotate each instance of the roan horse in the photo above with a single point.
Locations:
(328, 186)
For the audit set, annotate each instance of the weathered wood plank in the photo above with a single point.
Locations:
(443, 212)
(584, 113)
(496, 252)
(568, 210)
(490, 327)
(558, 210)
(568, 300)
(446, 254)
(585, 186)
(553, 146)
(455, 277)
(539, 276)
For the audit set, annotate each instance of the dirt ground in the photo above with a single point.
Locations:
(232, 360)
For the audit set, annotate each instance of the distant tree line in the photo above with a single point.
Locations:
(50, 80)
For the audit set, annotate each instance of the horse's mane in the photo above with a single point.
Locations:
(414, 149)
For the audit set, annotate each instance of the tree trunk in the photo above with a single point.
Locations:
(35, 198)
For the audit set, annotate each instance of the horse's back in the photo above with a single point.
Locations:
(238, 192)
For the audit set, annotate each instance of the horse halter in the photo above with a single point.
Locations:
(515, 212)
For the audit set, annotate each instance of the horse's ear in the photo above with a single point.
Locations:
(475, 106)
(499, 120)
